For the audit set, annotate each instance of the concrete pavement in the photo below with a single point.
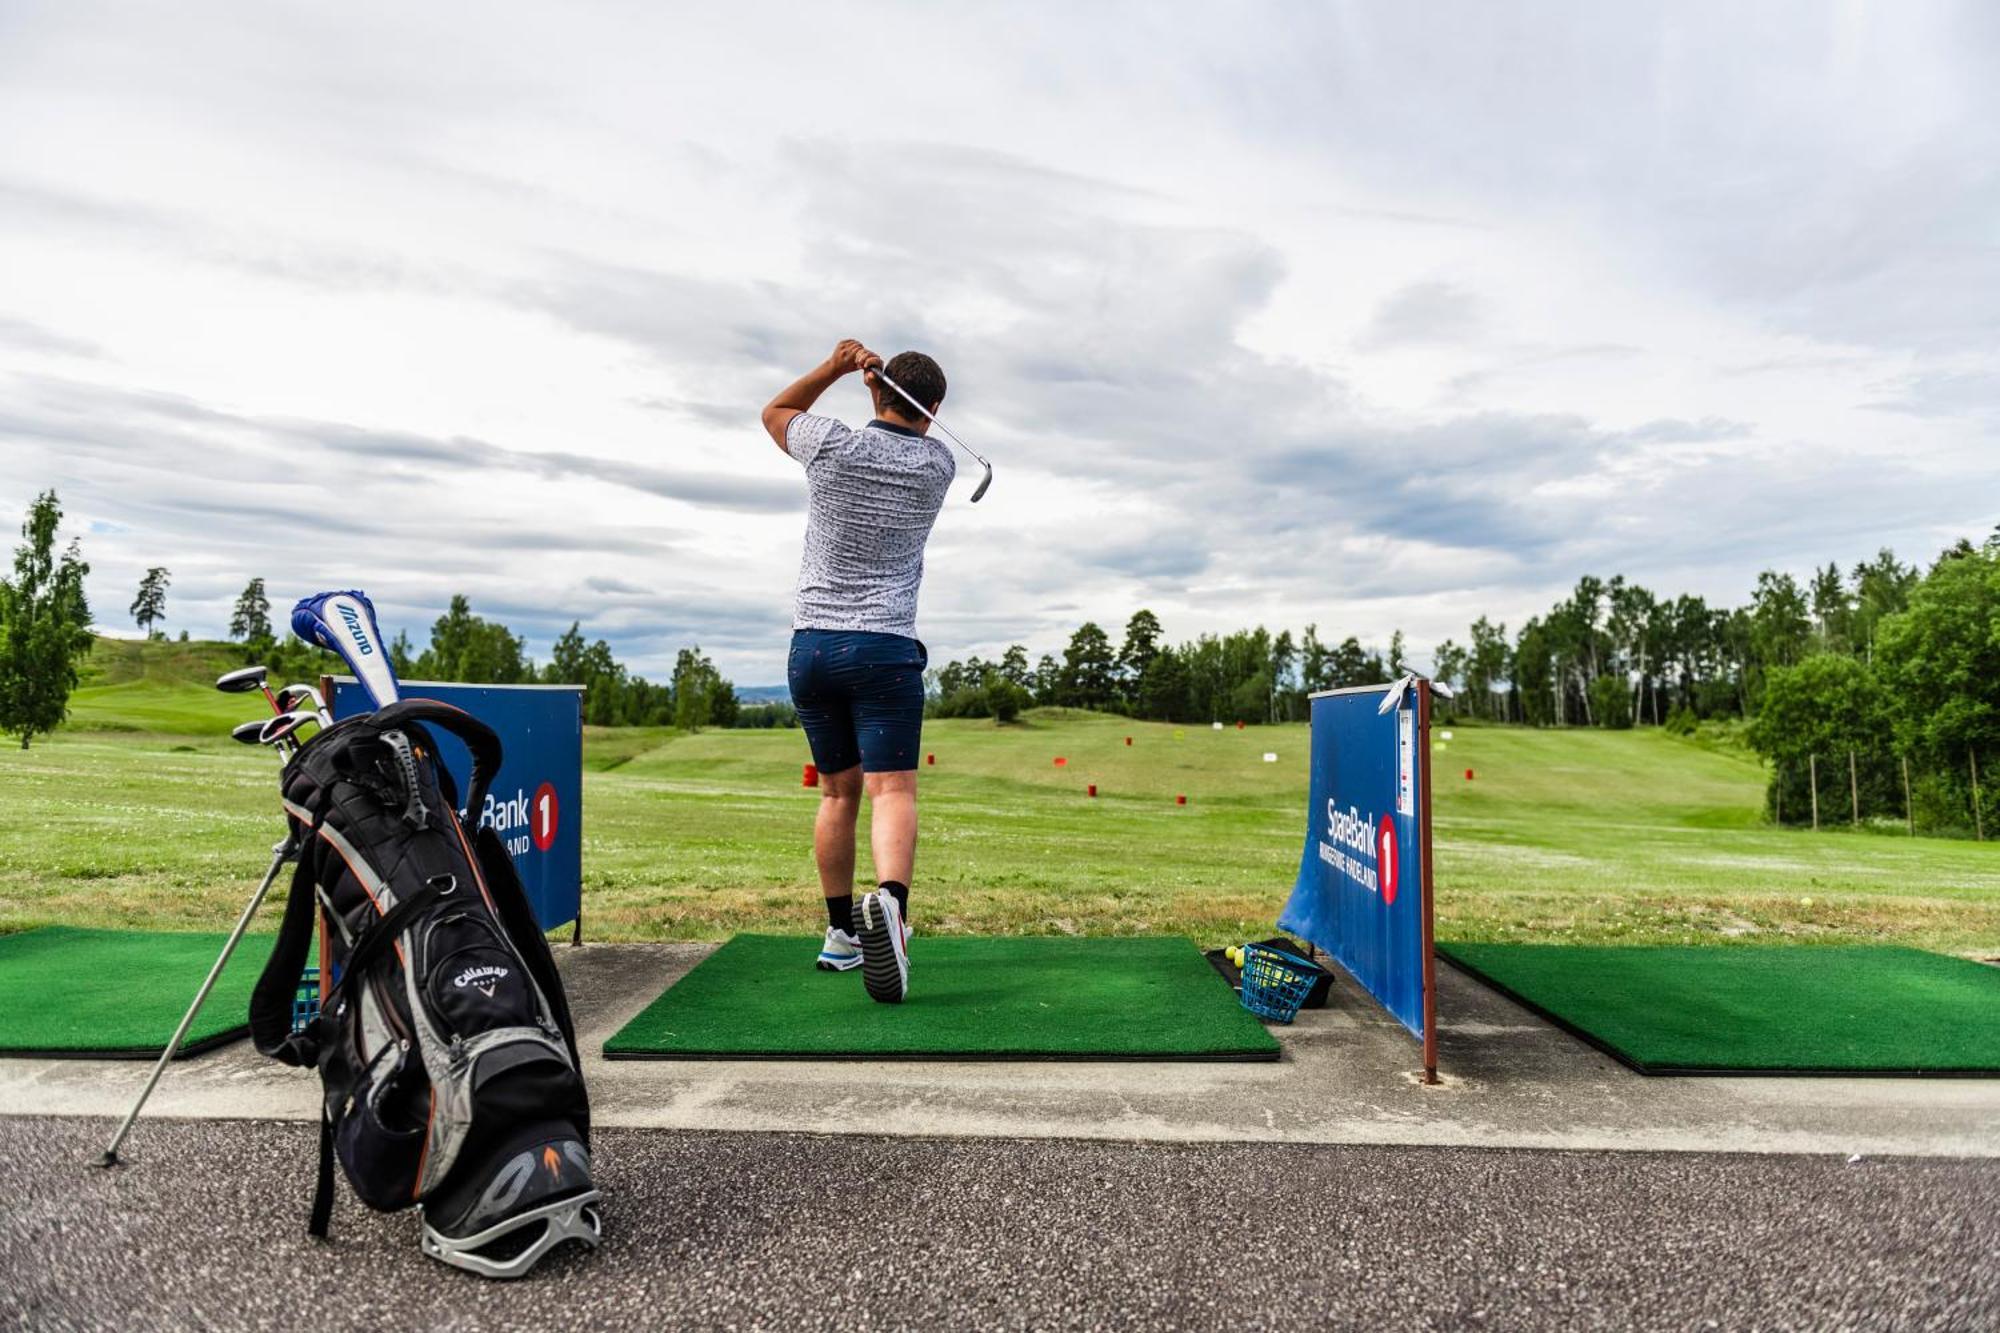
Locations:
(205, 1228)
(1349, 1076)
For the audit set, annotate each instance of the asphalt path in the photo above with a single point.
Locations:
(204, 1227)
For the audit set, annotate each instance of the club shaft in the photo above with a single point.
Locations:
(877, 370)
(200, 997)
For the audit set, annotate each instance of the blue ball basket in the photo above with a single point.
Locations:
(1275, 983)
(305, 1001)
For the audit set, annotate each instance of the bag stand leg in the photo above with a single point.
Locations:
(280, 854)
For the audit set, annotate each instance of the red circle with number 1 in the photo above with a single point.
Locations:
(544, 815)
(1385, 858)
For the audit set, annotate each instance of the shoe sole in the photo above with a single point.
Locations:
(883, 968)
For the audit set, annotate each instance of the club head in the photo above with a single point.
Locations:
(984, 482)
(249, 733)
(241, 681)
(294, 696)
(285, 726)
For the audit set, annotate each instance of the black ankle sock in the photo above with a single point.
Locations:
(840, 912)
(901, 893)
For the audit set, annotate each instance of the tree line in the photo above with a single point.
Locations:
(1893, 664)
(45, 635)
(1246, 675)
(472, 650)
(1879, 683)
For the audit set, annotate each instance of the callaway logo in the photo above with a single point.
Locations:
(360, 635)
(485, 978)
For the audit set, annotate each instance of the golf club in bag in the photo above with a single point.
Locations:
(444, 1044)
(984, 481)
(344, 623)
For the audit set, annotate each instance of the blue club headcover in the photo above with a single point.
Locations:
(344, 623)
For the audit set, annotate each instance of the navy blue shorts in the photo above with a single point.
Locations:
(860, 698)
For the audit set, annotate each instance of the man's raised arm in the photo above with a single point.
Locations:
(802, 393)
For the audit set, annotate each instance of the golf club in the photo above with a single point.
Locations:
(292, 696)
(280, 854)
(253, 733)
(245, 679)
(285, 726)
(984, 481)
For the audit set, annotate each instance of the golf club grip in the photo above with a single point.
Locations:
(478, 737)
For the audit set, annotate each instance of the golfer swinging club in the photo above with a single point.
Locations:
(857, 669)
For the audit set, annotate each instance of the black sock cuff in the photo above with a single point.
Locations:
(840, 912)
(900, 892)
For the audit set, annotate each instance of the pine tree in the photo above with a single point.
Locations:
(150, 606)
(251, 621)
(1087, 668)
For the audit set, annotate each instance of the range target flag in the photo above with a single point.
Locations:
(1363, 892)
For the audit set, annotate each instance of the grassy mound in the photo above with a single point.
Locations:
(161, 686)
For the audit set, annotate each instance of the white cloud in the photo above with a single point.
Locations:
(1355, 315)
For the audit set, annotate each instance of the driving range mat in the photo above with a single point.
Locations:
(1757, 1009)
(118, 994)
(759, 997)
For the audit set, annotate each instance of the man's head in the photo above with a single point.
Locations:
(921, 377)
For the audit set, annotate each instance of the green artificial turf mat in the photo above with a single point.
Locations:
(759, 997)
(118, 994)
(1811, 1009)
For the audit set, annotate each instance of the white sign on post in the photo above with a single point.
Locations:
(1406, 747)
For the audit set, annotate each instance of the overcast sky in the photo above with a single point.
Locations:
(1374, 315)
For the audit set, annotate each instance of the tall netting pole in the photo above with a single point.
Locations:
(1854, 788)
(1909, 806)
(1812, 774)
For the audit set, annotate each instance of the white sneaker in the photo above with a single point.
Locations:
(884, 947)
(841, 951)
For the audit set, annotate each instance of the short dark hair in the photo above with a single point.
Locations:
(921, 376)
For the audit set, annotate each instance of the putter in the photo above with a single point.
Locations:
(280, 854)
(984, 481)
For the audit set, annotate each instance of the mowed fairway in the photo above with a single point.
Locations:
(1569, 835)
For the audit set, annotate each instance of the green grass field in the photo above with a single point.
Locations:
(1563, 835)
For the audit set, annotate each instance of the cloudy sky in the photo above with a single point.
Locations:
(1376, 316)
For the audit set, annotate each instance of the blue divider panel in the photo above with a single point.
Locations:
(1360, 888)
(536, 801)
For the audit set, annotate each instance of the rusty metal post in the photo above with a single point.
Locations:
(1423, 758)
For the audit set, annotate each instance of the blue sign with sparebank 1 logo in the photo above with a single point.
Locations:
(1362, 891)
(536, 801)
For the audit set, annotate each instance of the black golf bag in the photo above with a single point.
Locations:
(444, 1045)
